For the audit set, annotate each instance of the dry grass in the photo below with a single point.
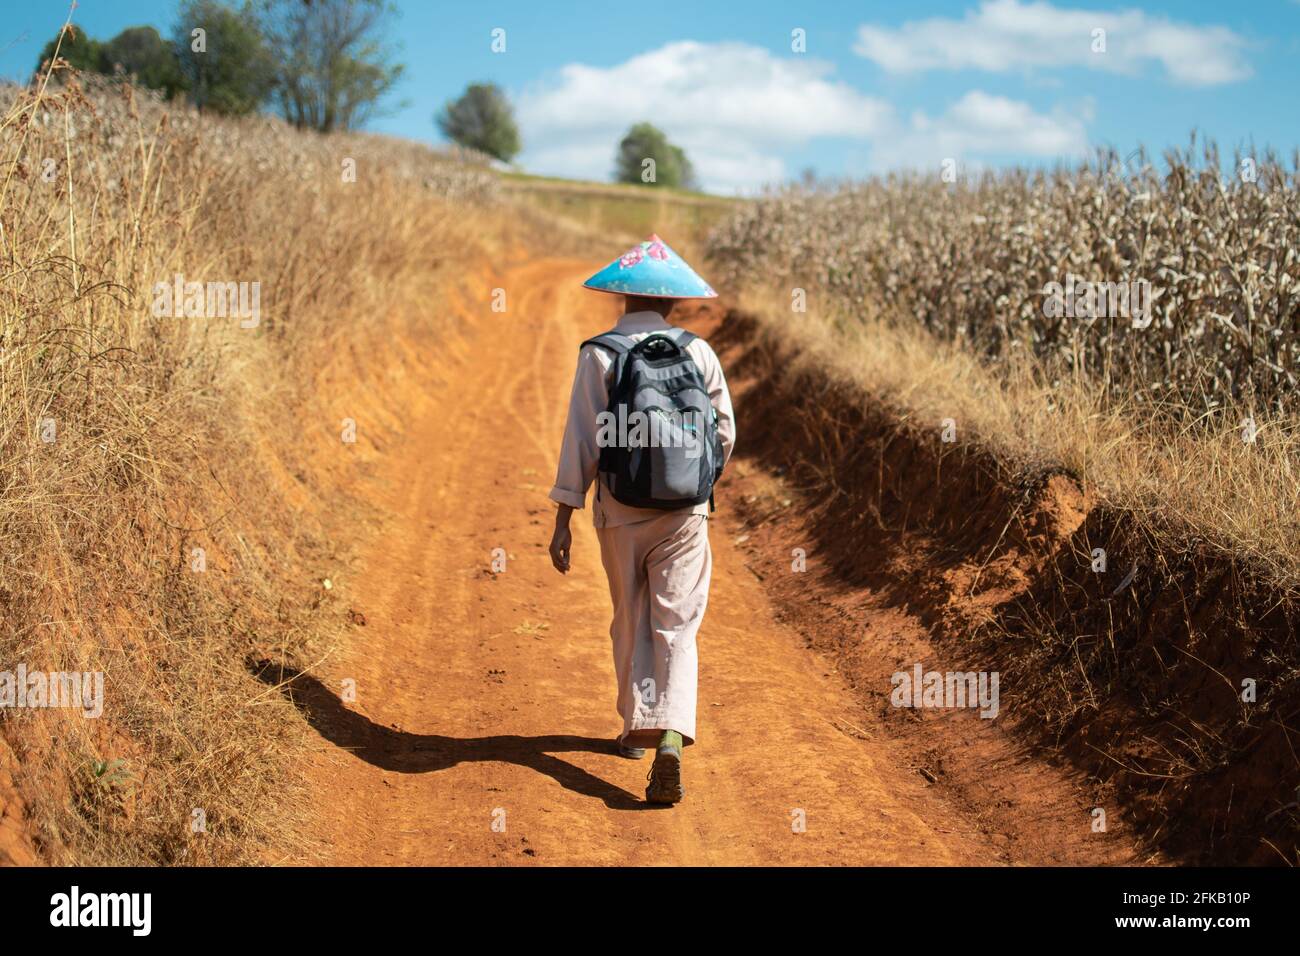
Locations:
(171, 434)
(1195, 478)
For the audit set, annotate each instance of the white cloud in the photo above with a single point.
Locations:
(738, 109)
(980, 126)
(733, 107)
(1004, 35)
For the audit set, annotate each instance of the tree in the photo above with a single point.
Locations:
(646, 142)
(142, 53)
(137, 51)
(482, 119)
(333, 69)
(227, 67)
(81, 51)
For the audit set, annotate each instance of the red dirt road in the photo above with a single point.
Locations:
(480, 732)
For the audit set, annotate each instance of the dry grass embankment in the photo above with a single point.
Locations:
(931, 298)
(1104, 512)
(170, 483)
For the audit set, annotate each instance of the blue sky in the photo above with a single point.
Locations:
(881, 85)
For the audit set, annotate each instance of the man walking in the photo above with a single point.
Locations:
(650, 423)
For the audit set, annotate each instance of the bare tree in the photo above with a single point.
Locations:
(333, 67)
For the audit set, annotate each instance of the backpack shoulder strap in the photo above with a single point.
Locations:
(620, 345)
(616, 342)
(681, 338)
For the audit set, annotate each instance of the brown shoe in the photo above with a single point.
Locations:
(666, 776)
(631, 753)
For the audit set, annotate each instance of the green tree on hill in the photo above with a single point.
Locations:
(81, 51)
(227, 67)
(482, 119)
(142, 53)
(138, 51)
(321, 62)
(646, 142)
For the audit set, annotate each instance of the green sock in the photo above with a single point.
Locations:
(671, 738)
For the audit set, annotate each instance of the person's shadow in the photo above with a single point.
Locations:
(404, 752)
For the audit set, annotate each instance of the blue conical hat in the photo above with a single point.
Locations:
(651, 268)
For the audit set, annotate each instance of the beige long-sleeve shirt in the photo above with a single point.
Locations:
(579, 452)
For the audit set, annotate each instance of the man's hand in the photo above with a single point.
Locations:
(562, 540)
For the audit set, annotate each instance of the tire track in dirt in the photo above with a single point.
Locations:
(488, 698)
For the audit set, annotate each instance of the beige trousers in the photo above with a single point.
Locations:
(658, 573)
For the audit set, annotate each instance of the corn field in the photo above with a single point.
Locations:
(1214, 246)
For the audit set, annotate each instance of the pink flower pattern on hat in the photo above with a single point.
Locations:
(651, 268)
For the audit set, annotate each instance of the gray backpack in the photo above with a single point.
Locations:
(659, 444)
